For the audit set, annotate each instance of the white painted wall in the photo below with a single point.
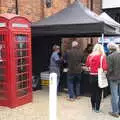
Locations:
(110, 3)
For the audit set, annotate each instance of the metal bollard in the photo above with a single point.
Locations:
(53, 96)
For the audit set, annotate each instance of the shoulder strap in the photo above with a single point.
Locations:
(101, 60)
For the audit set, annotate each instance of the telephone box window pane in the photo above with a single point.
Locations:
(21, 38)
(22, 85)
(19, 78)
(21, 45)
(22, 69)
(2, 87)
(2, 96)
(2, 52)
(24, 53)
(22, 93)
(2, 71)
(22, 77)
(2, 64)
(2, 55)
(1, 38)
(21, 61)
(21, 53)
(2, 78)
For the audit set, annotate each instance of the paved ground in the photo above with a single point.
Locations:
(38, 109)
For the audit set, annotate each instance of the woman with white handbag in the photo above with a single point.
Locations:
(94, 62)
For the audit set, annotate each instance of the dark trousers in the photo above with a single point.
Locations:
(96, 92)
(63, 81)
(73, 83)
(85, 83)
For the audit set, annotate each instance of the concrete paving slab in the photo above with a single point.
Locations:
(38, 109)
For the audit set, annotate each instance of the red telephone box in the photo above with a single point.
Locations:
(15, 60)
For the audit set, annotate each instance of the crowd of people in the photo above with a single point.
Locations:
(89, 61)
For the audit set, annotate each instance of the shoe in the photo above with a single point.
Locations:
(97, 111)
(114, 114)
(93, 109)
(78, 97)
(58, 94)
(71, 99)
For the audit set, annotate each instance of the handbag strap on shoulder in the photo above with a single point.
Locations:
(101, 60)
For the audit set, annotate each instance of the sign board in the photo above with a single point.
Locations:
(20, 25)
(2, 24)
(110, 4)
(109, 39)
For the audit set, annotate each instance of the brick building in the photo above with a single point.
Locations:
(36, 10)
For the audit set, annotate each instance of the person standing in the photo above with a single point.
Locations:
(86, 52)
(85, 84)
(93, 63)
(55, 62)
(73, 58)
(114, 78)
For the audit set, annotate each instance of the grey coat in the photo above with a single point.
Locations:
(114, 66)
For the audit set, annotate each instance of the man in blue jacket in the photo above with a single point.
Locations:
(55, 62)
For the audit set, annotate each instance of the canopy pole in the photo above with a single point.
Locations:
(103, 47)
(102, 39)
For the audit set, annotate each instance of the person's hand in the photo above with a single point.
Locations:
(105, 72)
(61, 58)
(85, 68)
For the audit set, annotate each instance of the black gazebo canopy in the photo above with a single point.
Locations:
(75, 20)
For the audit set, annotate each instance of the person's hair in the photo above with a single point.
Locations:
(112, 46)
(74, 44)
(55, 47)
(89, 48)
(98, 48)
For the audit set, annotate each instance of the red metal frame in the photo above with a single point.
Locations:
(17, 83)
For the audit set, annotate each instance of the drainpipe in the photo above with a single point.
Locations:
(0, 6)
(16, 6)
(101, 2)
(48, 3)
(42, 8)
(91, 7)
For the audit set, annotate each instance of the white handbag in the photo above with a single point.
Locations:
(102, 79)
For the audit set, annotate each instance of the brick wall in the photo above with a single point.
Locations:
(36, 10)
(97, 6)
(7, 6)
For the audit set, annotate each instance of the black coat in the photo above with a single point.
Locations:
(74, 57)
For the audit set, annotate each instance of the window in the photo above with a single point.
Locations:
(48, 3)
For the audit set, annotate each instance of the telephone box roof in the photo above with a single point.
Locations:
(8, 15)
